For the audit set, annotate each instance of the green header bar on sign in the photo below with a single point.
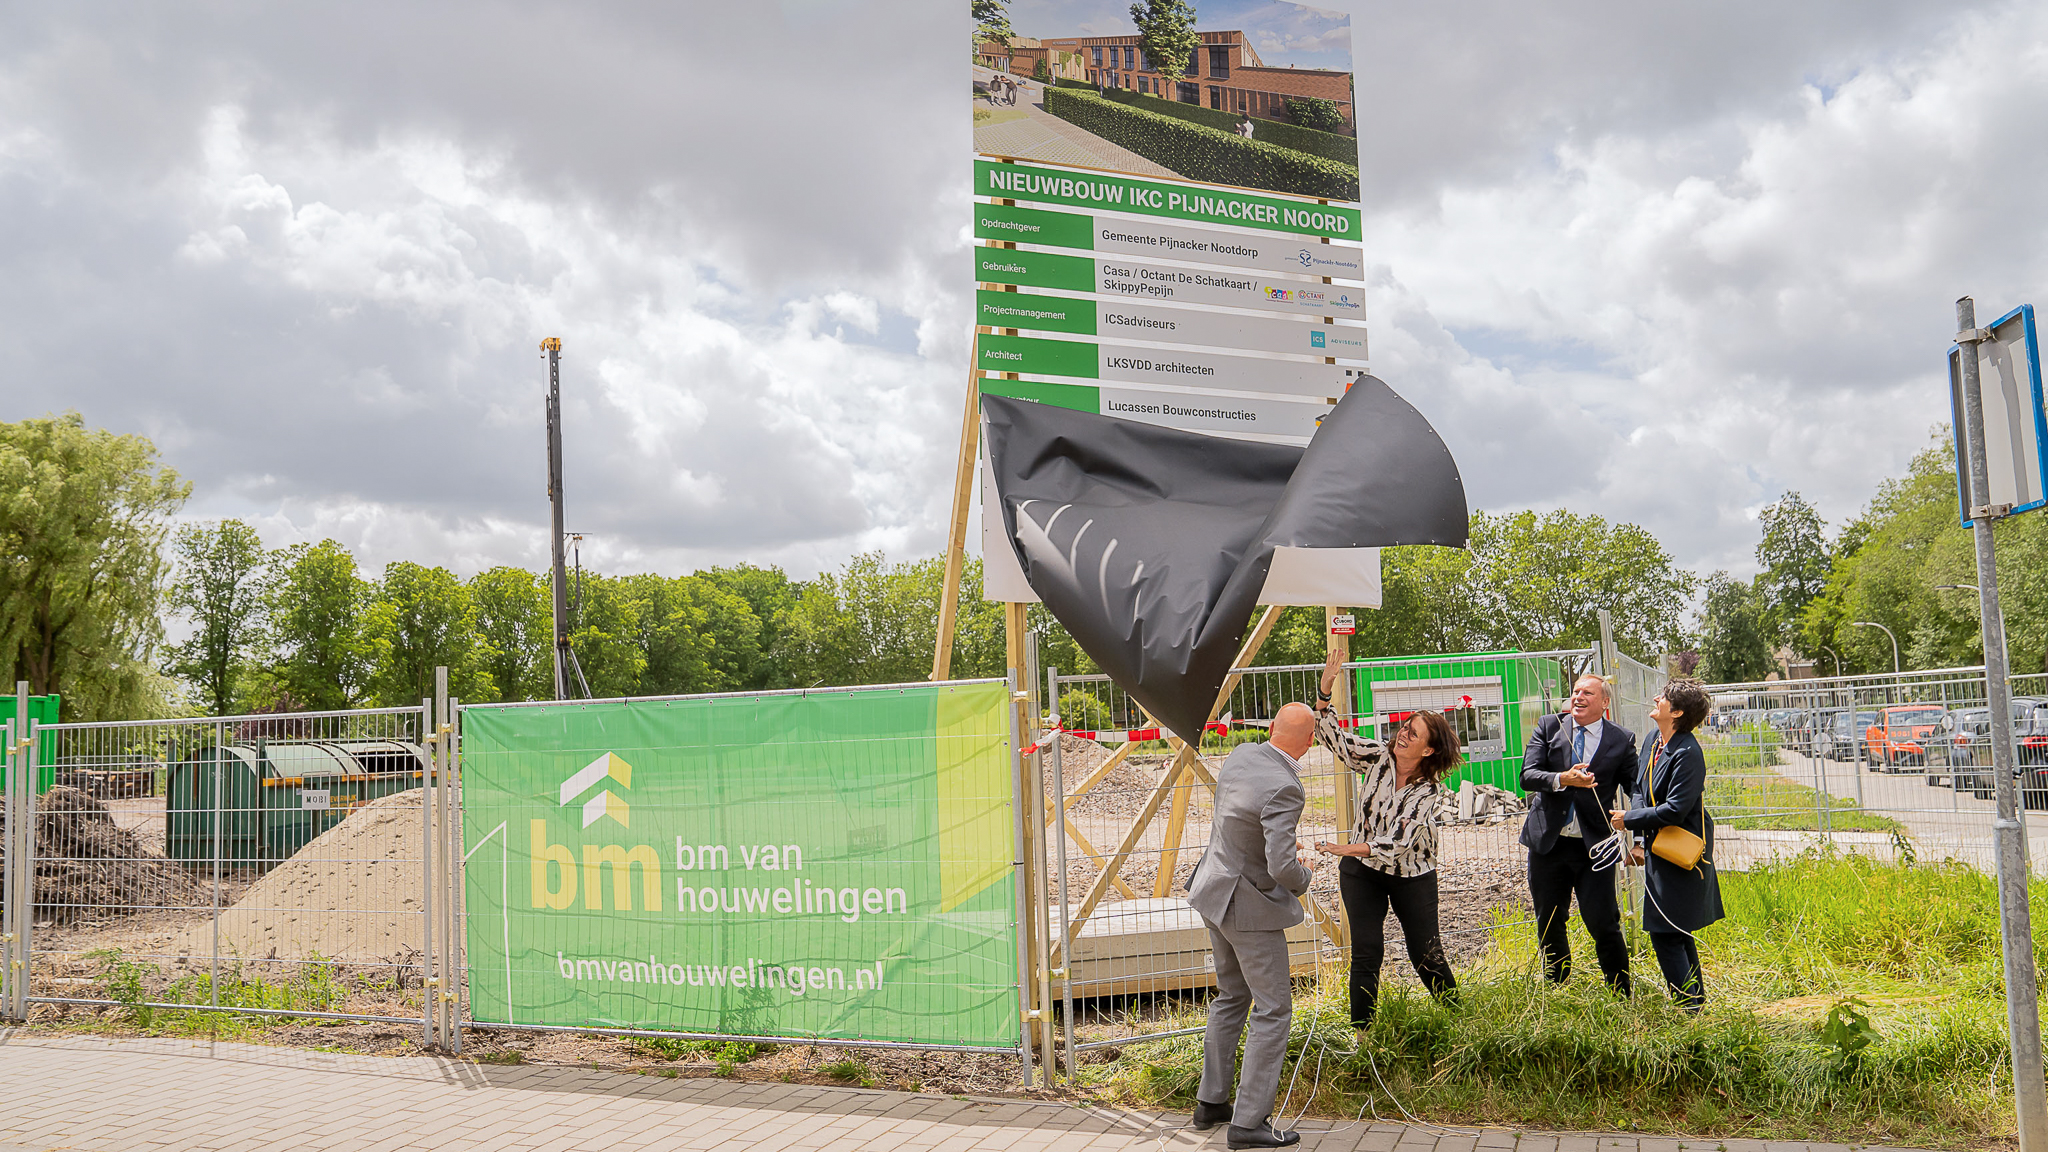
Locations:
(1080, 397)
(1031, 226)
(1160, 198)
(1041, 313)
(1033, 269)
(1039, 357)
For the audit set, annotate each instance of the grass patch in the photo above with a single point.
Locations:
(852, 1071)
(1847, 1000)
(312, 988)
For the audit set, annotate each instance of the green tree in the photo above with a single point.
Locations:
(874, 622)
(1537, 582)
(1166, 35)
(83, 516)
(1794, 556)
(317, 603)
(420, 619)
(220, 583)
(1735, 637)
(991, 22)
(770, 595)
(514, 625)
(606, 637)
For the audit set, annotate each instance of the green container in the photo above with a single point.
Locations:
(273, 798)
(41, 710)
(1492, 699)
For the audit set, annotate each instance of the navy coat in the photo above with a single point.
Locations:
(1679, 898)
(1551, 804)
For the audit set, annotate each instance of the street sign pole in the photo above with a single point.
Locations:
(2022, 1006)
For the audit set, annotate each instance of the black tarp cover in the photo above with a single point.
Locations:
(1151, 545)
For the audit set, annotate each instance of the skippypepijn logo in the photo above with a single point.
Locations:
(604, 803)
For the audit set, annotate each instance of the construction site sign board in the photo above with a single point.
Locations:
(832, 864)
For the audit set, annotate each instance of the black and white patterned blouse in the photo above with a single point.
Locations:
(1399, 823)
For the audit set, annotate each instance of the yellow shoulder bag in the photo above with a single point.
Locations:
(1673, 843)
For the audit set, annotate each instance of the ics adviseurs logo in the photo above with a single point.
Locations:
(1318, 339)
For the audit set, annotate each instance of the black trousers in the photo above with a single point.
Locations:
(1679, 956)
(1368, 893)
(1554, 878)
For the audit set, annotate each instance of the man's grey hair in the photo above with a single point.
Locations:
(1606, 692)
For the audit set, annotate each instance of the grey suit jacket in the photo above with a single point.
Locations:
(1248, 878)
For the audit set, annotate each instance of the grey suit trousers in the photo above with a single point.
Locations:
(1251, 968)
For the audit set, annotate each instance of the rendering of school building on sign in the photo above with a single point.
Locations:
(1225, 72)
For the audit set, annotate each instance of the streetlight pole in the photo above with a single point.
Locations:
(1888, 632)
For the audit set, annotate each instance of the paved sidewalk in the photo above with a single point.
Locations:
(93, 1094)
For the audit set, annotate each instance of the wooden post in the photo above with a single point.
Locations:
(1015, 637)
(956, 532)
(1340, 702)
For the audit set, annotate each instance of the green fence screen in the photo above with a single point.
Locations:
(834, 864)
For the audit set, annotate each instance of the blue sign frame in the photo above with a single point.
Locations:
(2025, 313)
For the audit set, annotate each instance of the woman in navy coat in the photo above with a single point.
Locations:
(1681, 900)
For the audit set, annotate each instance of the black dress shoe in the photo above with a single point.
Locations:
(1208, 1115)
(1264, 1136)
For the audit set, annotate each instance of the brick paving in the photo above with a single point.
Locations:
(92, 1094)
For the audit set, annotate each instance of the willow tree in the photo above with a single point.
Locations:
(83, 517)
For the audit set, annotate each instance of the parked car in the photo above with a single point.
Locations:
(1839, 735)
(1902, 735)
(1968, 750)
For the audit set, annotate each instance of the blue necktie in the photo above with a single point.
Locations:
(1578, 744)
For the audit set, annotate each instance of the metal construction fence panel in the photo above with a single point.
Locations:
(1130, 957)
(1893, 766)
(212, 863)
(826, 866)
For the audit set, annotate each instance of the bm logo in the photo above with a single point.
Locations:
(555, 861)
(605, 803)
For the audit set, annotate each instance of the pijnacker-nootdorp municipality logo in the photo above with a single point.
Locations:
(604, 803)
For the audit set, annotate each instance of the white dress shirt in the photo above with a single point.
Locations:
(1593, 731)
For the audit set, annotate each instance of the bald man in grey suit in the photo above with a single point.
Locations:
(1248, 888)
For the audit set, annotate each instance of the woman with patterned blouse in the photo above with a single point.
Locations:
(1391, 859)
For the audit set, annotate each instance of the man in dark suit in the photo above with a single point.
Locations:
(1575, 764)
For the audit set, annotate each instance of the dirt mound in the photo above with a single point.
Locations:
(353, 894)
(88, 867)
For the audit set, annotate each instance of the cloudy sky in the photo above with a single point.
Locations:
(1658, 262)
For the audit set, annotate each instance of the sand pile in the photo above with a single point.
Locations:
(88, 867)
(353, 894)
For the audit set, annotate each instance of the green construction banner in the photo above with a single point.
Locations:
(1176, 200)
(835, 864)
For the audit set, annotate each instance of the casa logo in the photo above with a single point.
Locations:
(1283, 295)
(1318, 340)
(604, 803)
(1307, 261)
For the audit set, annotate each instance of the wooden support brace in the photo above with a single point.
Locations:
(1088, 851)
(1169, 853)
(956, 530)
(1123, 849)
